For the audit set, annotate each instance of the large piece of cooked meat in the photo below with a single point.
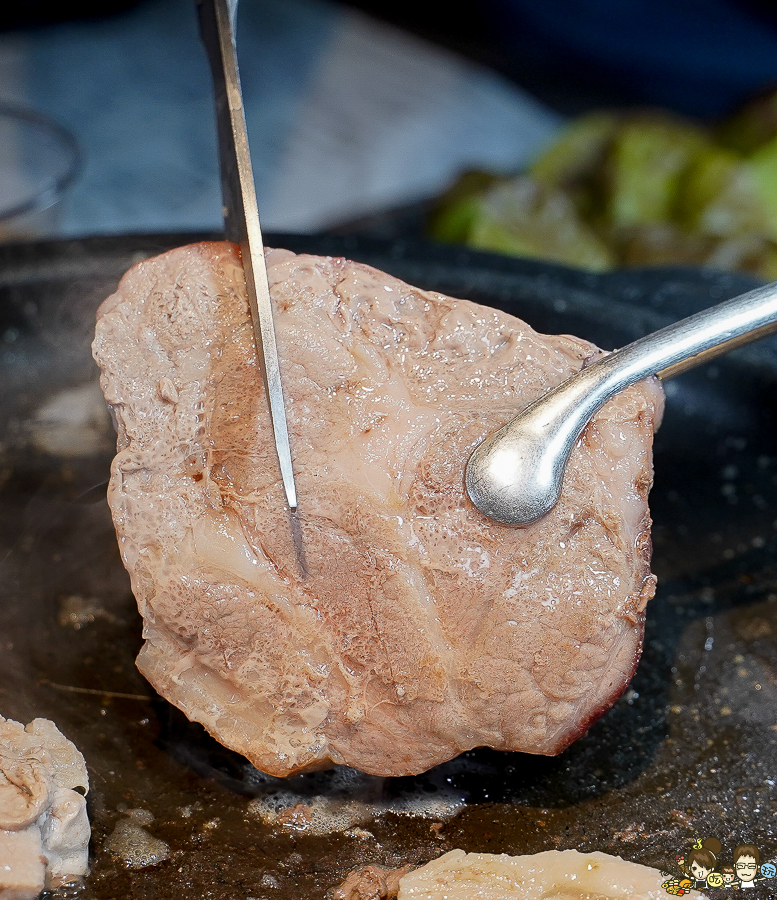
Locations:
(399, 626)
(551, 875)
(44, 829)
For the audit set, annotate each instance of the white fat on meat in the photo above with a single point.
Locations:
(389, 625)
(552, 875)
(44, 828)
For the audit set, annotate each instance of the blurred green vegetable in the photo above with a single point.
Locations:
(577, 152)
(763, 164)
(524, 218)
(720, 196)
(640, 188)
(646, 160)
(751, 126)
(574, 162)
(452, 220)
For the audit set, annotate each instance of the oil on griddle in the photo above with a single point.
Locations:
(690, 750)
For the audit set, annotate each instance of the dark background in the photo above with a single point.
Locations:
(699, 57)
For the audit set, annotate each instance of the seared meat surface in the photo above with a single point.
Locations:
(371, 883)
(552, 875)
(44, 829)
(388, 625)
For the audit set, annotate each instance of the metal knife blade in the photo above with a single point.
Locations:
(241, 215)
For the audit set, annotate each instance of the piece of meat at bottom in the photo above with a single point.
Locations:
(388, 625)
(44, 829)
(371, 883)
(551, 875)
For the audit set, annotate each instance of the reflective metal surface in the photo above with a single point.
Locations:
(515, 475)
(241, 215)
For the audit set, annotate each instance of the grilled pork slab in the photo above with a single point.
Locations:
(388, 625)
(44, 828)
(551, 875)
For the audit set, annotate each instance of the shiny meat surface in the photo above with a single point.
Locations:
(44, 829)
(552, 875)
(389, 626)
(371, 883)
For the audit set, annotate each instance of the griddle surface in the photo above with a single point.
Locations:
(689, 751)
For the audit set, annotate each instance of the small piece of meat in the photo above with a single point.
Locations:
(552, 875)
(44, 829)
(371, 883)
(388, 625)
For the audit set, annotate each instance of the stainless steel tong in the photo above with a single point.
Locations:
(515, 475)
(241, 215)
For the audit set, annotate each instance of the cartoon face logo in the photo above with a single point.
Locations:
(699, 871)
(746, 868)
(746, 860)
(702, 867)
(702, 860)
